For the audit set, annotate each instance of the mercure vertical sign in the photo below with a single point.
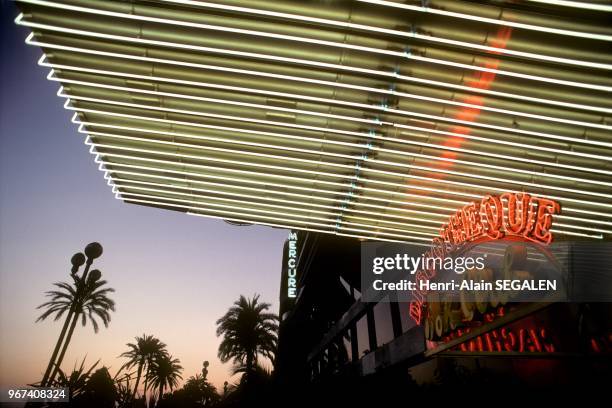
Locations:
(292, 265)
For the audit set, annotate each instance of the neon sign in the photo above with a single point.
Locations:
(534, 340)
(510, 216)
(507, 339)
(292, 265)
(523, 336)
(506, 216)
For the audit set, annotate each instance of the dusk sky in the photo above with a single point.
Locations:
(174, 274)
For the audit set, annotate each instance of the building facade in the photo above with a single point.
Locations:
(333, 342)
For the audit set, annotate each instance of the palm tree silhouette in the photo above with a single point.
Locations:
(142, 354)
(76, 381)
(248, 332)
(199, 391)
(164, 372)
(87, 298)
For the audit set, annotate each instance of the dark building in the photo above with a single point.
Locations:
(333, 345)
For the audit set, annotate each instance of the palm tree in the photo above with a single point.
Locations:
(124, 389)
(248, 332)
(256, 377)
(141, 354)
(87, 298)
(76, 381)
(100, 391)
(199, 391)
(164, 373)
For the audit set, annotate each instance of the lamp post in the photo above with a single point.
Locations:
(205, 370)
(92, 251)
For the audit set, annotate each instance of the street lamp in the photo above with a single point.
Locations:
(77, 260)
(92, 251)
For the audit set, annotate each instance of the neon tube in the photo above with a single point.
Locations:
(30, 41)
(264, 34)
(363, 146)
(122, 182)
(365, 169)
(337, 216)
(376, 228)
(330, 214)
(338, 155)
(291, 60)
(385, 200)
(312, 190)
(323, 129)
(356, 178)
(576, 4)
(366, 136)
(52, 78)
(449, 210)
(404, 236)
(577, 210)
(312, 197)
(364, 106)
(315, 128)
(532, 27)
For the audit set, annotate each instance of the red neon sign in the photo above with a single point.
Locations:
(535, 340)
(523, 336)
(497, 217)
(516, 216)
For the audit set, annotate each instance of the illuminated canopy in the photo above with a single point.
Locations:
(374, 119)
